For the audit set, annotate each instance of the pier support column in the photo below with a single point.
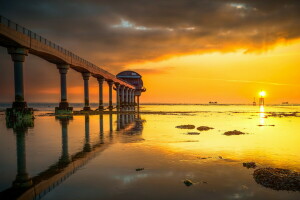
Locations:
(118, 95)
(100, 81)
(126, 96)
(133, 101)
(138, 103)
(63, 105)
(122, 96)
(129, 97)
(19, 110)
(86, 77)
(110, 84)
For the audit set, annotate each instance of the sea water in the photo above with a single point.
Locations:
(144, 156)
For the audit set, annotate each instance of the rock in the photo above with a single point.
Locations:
(193, 133)
(278, 179)
(188, 126)
(235, 132)
(139, 169)
(202, 158)
(249, 165)
(188, 182)
(220, 157)
(204, 128)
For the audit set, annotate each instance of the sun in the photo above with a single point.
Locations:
(262, 93)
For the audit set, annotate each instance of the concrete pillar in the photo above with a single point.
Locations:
(110, 84)
(86, 77)
(134, 102)
(129, 96)
(123, 95)
(18, 56)
(132, 97)
(100, 81)
(138, 103)
(126, 95)
(118, 95)
(63, 105)
(22, 179)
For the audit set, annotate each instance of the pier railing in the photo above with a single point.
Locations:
(21, 29)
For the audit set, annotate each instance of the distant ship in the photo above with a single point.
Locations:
(213, 102)
(285, 102)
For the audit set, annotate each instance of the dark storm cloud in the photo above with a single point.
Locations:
(115, 33)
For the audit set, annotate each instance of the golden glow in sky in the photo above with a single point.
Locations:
(234, 77)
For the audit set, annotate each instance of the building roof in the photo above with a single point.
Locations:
(128, 74)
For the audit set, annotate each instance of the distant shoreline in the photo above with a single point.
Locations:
(203, 104)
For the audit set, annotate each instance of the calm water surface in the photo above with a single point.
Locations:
(96, 157)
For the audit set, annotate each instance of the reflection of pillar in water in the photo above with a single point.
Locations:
(87, 145)
(64, 122)
(126, 119)
(110, 122)
(110, 126)
(118, 122)
(129, 118)
(132, 117)
(101, 128)
(22, 178)
(122, 121)
(261, 115)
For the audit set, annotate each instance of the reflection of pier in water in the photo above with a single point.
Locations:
(36, 187)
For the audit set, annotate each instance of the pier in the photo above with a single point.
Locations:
(20, 42)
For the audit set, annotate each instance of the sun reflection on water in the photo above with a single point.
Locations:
(262, 115)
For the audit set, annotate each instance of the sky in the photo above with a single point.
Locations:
(188, 51)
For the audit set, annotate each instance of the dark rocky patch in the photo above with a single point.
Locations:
(278, 179)
(188, 182)
(193, 133)
(188, 126)
(204, 128)
(234, 132)
(249, 165)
